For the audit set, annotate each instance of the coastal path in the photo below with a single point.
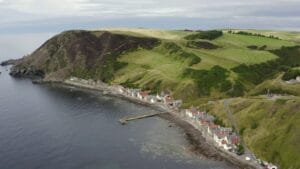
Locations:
(233, 122)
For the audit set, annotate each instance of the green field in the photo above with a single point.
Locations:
(271, 127)
(146, 67)
(156, 33)
(286, 35)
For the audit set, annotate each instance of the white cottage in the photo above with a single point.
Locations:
(159, 98)
(73, 79)
(191, 112)
(211, 129)
(226, 146)
(143, 95)
(120, 89)
(221, 138)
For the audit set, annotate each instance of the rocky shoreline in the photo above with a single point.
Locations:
(9, 62)
(198, 144)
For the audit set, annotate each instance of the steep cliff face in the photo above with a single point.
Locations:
(87, 54)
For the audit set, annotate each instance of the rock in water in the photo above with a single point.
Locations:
(9, 62)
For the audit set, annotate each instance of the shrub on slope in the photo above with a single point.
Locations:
(209, 35)
(215, 78)
(180, 54)
(291, 74)
(201, 45)
(288, 57)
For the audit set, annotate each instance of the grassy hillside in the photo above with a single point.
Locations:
(160, 65)
(155, 33)
(270, 127)
(286, 35)
(197, 67)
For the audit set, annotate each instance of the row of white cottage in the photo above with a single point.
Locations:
(165, 98)
(223, 137)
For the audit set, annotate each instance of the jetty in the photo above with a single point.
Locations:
(126, 119)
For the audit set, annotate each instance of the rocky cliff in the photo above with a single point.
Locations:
(87, 54)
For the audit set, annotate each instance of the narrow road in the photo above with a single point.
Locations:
(233, 122)
(230, 115)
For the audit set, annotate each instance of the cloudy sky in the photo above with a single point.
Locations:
(57, 15)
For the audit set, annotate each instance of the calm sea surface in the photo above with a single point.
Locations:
(48, 127)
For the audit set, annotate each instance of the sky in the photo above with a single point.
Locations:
(32, 16)
(25, 24)
(13, 46)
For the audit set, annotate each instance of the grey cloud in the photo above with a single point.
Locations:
(34, 14)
